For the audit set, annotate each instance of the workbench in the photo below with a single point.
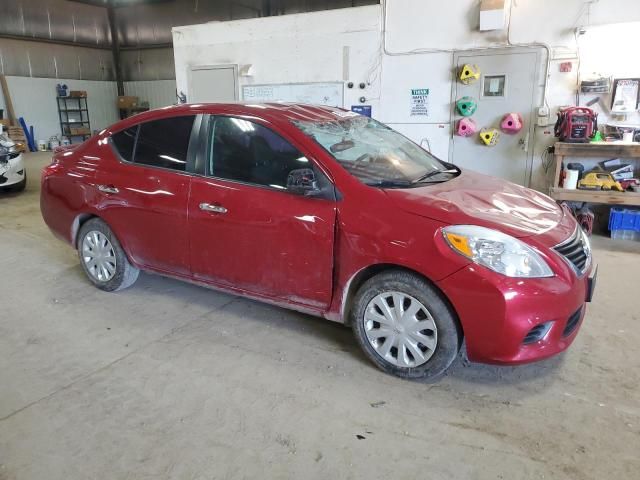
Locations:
(627, 151)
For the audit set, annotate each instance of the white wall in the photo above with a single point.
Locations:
(284, 49)
(35, 100)
(311, 47)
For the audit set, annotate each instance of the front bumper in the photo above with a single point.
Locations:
(497, 313)
(12, 171)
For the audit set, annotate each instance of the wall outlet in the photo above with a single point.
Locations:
(543, 116)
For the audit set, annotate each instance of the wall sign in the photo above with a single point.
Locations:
(364, 110)
(420, 102)
(626, 95)
(330, 93)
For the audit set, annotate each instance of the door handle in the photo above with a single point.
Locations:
(207, 207)
(108, 189)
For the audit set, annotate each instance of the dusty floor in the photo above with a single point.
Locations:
(169, 380)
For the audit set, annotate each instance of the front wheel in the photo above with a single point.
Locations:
(405, 326)
(103, 259)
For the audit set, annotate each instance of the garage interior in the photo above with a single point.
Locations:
(172, 380)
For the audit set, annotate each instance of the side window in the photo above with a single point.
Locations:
(124, 142)
(248, 152)
(164, 143)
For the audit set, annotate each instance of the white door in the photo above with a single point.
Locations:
(508, 84)
(212, 84)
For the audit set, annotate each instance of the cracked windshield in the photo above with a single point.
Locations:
(376, 154)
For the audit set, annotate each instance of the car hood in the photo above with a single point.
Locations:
(475, 199)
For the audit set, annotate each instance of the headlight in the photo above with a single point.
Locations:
(497, 251)
(585, 242)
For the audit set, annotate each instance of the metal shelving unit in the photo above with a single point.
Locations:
(74, 117)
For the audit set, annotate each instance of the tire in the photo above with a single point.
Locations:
(442, 335)
(118, 273)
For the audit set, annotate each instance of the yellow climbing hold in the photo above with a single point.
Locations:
(489, 136)
(469, 74)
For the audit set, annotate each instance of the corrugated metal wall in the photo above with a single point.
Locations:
(85, 28)
(55, 20)
(36, 59)
(148, 64)
(159, 93)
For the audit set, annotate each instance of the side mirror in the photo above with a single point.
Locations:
(302, 181)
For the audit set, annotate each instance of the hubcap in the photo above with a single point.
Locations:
(98, 256)
(400, 329)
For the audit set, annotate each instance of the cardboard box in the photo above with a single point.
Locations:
(79, 131)
(493, 15)
(127, 101)
(17, 135)
(78, 93)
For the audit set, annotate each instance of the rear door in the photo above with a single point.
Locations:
(247, 231)
(146, 190)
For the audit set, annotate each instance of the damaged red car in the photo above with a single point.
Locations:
(327, 212)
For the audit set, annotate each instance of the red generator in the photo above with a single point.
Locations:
(576, 124)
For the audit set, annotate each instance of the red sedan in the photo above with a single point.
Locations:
(330, 213)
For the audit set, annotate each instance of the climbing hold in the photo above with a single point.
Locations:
(469, 74)
(466, 106)
(466, 127)
(489, 136)
(511, 123)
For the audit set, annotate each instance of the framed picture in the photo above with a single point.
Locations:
(626, 95)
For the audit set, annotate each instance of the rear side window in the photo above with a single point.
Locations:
(124, 142)
(164, 143)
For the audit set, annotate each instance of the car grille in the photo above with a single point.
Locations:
(572, 323)
(575, 251)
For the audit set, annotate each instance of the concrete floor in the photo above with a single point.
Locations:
(170, 380)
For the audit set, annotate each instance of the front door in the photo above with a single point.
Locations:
(247, 231)
(508, 83)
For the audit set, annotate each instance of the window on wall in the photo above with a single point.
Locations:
(248, 152)
(164, 143)
(124, 142)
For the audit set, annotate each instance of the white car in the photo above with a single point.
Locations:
(12, 170)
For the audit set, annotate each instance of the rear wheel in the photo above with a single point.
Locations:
(404, 326)
(103, 259)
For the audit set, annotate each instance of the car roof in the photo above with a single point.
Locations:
(269, 111)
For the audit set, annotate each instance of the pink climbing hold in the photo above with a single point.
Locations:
(511, 123)
(466, 127)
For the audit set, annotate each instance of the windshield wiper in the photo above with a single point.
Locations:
(433, 173)
(389, 183)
